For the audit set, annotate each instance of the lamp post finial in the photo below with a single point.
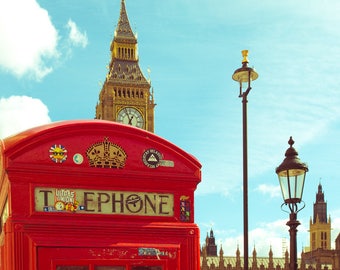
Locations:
(245, 57)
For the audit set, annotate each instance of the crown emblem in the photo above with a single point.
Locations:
(106, 155)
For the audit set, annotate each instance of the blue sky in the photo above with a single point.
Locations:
(53, 58)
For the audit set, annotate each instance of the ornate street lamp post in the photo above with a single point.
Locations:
(244, 76)
(292, 173)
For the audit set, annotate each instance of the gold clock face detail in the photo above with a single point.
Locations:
(130, 116)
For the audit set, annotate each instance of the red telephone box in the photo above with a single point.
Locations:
(97, 195)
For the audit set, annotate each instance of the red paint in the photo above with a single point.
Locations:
(136, 208)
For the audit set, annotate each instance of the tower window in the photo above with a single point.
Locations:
(323, 240)
(313, 241)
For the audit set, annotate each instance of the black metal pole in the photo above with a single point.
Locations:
(245, 179)
(293, 223)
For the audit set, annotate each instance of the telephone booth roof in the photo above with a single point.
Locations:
(96, 146)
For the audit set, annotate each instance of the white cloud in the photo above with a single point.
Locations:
(270, 235)
(28, 39)
(18, 113)
(273, 191)
(76, 37)
(262, 238)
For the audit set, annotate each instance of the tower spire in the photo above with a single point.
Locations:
(123, 31)
(320, 206)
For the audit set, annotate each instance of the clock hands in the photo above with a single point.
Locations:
(127, 114)
(130, 120)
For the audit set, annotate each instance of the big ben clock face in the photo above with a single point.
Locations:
(130, 116)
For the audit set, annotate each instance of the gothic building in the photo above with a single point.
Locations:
(211, 247)
(319, 252)
(236, 263)
(316, 257)
(126, 95)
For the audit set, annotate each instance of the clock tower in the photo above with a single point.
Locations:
(126, 95)
(320, 226)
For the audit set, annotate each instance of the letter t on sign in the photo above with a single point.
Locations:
(45, 196)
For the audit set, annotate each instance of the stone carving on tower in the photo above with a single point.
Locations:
(126, 95)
